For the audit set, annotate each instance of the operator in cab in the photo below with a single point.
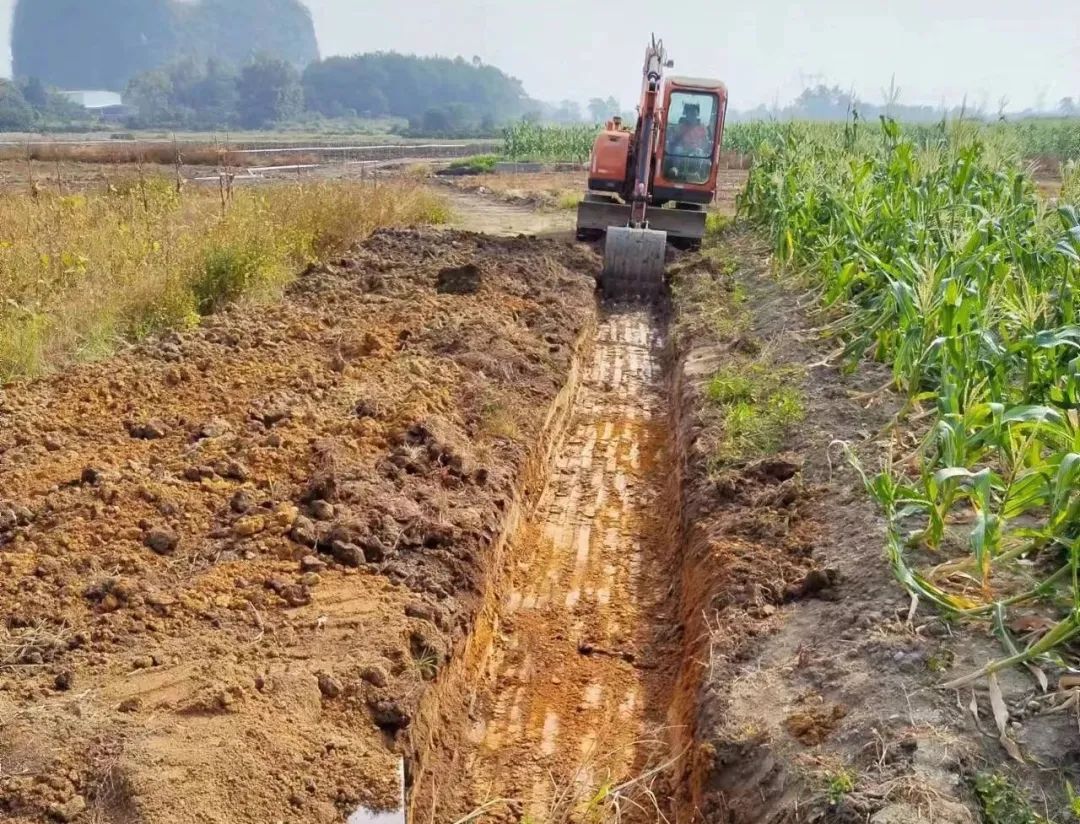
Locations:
(690, 134)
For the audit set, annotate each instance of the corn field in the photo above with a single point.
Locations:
(1057, 138)
(937, 255)
(531, 141)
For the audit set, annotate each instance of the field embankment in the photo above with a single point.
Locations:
(271, 150)
(805, 687)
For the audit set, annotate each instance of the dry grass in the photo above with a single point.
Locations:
(32, 645)
(159, 153)
(81, 273)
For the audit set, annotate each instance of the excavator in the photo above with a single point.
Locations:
(654, 183)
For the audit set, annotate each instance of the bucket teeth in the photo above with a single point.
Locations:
(633, 263)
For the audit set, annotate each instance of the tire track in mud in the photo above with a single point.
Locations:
(573, 695)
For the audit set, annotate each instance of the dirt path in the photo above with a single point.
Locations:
(476, 213)
(574, 688)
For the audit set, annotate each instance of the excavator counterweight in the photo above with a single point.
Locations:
(656, 181)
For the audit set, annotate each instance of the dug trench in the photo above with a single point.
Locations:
(683, 628)
(439, 504)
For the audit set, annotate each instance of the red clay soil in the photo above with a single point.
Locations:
(233, 559)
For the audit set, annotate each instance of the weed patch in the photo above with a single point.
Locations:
(757, 403)
(475, 165)
(839, 784)
(709, 297)
(569, 200)
(1002, 802)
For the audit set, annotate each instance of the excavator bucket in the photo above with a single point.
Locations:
(633, 263)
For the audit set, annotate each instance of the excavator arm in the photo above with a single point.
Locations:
(634, 254)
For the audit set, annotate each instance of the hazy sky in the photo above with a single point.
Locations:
(1025, 50)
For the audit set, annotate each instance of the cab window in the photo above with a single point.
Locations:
(690, 137)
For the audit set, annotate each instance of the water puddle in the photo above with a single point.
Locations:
(366, 816)
(363, 816)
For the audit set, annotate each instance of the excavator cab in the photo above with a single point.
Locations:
(689, 138)
(655, 183)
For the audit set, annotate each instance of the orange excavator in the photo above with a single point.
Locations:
(654, 183)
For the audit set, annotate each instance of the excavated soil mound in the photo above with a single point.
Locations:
(233, 559)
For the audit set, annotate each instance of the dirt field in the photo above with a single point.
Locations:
(254, 545)
(441, 510)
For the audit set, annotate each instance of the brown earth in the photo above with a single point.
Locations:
(507, 218)
(233, 559)
(543, 190)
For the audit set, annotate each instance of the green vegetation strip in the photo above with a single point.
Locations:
(759, 403)
(941, 258)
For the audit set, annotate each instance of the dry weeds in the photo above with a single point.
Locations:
(83, 273)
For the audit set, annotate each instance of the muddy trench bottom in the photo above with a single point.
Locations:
(568, 707)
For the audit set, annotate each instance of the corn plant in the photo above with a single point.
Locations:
(937, 255)
(532, 141)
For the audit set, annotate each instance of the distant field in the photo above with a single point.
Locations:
(1057, 139)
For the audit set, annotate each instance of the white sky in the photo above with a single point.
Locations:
(765, 50)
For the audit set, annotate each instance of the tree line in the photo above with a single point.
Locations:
(436, 95)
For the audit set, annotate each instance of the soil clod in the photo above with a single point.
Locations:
(162, 541)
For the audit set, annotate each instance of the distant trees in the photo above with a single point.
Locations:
(30, 105)
(823, 102)
(75, 44)
(185, 94)
(568, 111)
(833, 103)
(600, 110)
(268, 91)
(436, 94)
(35, 93)
(213, 94)
(16, 115)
